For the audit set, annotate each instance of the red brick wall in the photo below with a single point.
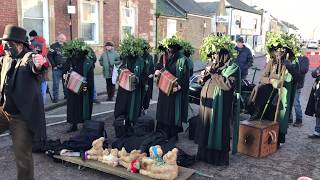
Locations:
(144, 17)
(111, 18)
(62, 18)
(8, 14)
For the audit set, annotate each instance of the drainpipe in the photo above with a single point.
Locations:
(230, 28)
(70, 16)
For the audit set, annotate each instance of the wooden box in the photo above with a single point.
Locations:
(258, 138)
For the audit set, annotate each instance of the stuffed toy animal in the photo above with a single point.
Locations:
(166, 171)
(155, 157)
(135, 166)
(105, 153)
(96, 151)
(134, 155)
(111, 159)
(123, 153)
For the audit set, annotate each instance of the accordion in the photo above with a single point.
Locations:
(75, 82)
(167, 82)
(127, 80)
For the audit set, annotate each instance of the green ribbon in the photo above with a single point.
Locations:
(179, 74)
(87, 65)
(135, 103)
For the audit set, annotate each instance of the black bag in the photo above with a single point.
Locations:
(143, 125)
(91, 131)
(192, 126)
(122, 127)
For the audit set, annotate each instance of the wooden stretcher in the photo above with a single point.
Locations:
(184, 173)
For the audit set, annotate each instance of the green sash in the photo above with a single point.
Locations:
(87, 65)
(135, 103)
(178, 98)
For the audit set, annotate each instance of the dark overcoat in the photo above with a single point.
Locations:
(25, 89)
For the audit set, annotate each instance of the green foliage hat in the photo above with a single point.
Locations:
(131, 46)
(213, 44)
(75, 47)
(281, 40)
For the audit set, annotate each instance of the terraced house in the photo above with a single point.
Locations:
(184, 18)
(93, 20)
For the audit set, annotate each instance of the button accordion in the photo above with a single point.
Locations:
(75, 82)
(127, 80)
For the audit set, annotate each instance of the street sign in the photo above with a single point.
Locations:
(222, 19)
(71, 9)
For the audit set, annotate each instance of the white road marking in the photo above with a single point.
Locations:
(64, 115)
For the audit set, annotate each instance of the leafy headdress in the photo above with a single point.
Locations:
(131, 46)
(281, 41)
(76, 47)
(216, 45)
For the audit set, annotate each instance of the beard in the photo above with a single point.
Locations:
(11, 49)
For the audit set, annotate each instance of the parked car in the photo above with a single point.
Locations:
(313, 44)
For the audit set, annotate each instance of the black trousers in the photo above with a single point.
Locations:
(110, 88)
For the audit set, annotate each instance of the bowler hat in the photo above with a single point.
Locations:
(109, 43)
(14, 33)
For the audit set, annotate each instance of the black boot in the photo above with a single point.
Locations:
(73, 128)
(109, 93)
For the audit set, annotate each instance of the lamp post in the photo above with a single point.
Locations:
(156, 43)
(70, 17)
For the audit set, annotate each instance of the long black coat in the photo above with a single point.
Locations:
(313, 106)
(75, 101)
(26, 93)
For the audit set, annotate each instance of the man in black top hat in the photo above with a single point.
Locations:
(21, 105)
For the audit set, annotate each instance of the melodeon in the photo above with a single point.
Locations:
(127, 80)
(167, 82)
(75, 82)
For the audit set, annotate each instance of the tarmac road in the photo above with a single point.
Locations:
(298, 157)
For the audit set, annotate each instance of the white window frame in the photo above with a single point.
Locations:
(96, 21)
(171, 27)
(45, 19)
(134, 20)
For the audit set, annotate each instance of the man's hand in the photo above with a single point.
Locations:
(157, 73)
(38, 61)
(150, 76)
(175, 89)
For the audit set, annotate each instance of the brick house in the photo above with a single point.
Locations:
(184, 18)
(96, 21)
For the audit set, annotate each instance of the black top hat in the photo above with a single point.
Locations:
(14, 33)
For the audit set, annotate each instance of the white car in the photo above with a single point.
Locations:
(313, 44)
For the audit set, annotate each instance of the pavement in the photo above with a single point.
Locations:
(299, 156)
(101, 85)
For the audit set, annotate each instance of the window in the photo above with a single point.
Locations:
(238, 21)
(128, 21)
(90, 21)
(255, 23)
(35, 17)
(171, 27)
